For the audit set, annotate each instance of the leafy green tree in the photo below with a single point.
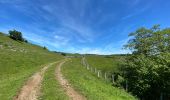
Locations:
(16, 35)
(147, 70)
(25, 41)
(63, 54)
(149, 41)
(45, 48)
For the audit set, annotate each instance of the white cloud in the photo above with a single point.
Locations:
(59, 37)
(99, 51)
(66, 25)
(70, 21)
(137, 12)
(112, 48)
(56, 41)
(61, 40)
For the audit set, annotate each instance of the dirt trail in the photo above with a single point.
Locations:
(31, 89)
(73, 95)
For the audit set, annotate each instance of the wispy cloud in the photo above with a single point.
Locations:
(137, 12)
(53, 42)
(71, 22)
(135, 2)
(82, 26)
(111, 48)
(61, 40)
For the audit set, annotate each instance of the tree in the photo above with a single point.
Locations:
(16, 35)
(149, 41)
(147, 70)
(63, 54)
(45, 48)
(25, 41)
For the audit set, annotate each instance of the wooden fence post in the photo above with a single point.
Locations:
(85, 64)
(113, 78)
(91, 69)
(105, 75)
(95, 70)
(98, 74)
(83, 61)
(87, 67)
(126, 85)
(161, 96)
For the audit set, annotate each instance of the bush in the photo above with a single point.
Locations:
(63, 54)
(45, 48)
(147, 70)
(16, 35)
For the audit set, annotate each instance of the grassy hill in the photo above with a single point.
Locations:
(104, 63)
(18, 61)
(90, 85)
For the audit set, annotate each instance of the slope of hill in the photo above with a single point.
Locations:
(18, 61)
(103, 63)
(89, 85)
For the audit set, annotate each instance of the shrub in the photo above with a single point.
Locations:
(16, 35)
(45, 48)
(25, 41)
(64, 54)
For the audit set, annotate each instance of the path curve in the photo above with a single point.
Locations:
(74, 95)
(31, 89)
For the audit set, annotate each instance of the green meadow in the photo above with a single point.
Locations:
(18, 61)
(104, 63)
(90, 85)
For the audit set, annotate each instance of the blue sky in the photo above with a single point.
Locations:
(82, 26)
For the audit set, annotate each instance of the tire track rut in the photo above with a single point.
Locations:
(73, 95)
(31, 89)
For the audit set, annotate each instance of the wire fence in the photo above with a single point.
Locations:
(107, 76)
(111, 77)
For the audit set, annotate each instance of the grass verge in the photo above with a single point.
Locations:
(91, 86)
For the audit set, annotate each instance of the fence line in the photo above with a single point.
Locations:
(108, 76)
(94, 70)
(105, 75)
